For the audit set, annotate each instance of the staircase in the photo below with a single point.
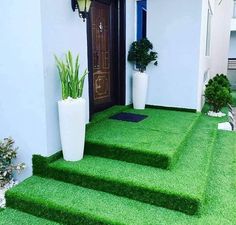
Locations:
(158, 174)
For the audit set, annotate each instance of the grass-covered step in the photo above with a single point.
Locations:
(155, 141)
(182, 188)
(102, 208)
(14, 217)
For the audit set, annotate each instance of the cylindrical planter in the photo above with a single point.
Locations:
(140, 85)
(72, 120)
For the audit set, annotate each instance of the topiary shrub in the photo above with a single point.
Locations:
(7, 153)
(141, 54)
(222, 80)
(218, 92)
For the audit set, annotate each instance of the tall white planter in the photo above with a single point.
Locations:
(140, 85)
(72, 120)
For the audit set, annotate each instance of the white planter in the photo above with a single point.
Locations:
(140, 85)
(72, 121)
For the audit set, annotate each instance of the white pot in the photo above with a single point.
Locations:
(72, 120)
(140, 85)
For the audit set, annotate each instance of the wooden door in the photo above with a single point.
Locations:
(102, 69)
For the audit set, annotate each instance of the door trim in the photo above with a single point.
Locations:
(120, 56)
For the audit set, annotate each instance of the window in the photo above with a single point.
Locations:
(208, 37)
(141, 19)
(234, 14)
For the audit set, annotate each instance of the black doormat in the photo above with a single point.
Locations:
(129, 117)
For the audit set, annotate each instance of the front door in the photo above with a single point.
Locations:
(103, 50)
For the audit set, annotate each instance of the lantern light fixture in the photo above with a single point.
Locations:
(83, 7)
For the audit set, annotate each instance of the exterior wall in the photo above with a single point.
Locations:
(220, 35)
(22, 105)
(29, 82)
(62, 30)
(204, 61)
(130, 37)
(175, 35)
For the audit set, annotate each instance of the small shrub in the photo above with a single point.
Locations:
(141, 54)
(222, 80)
(218, 92)
(7, 153)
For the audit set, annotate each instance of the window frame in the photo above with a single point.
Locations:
(209, 30)
(141, 7)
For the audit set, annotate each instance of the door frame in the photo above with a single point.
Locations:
(119, 44)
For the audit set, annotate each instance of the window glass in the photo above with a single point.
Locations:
(141, 19)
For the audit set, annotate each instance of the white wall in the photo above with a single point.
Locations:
(233, 24)
(221, 36)
(62, 30)
(22, 105)
(217, 62)
(174, 28)
(29, 83)
(204, 61)
(130, 37)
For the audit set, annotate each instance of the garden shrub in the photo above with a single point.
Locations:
(141, 54)
(218, 92)
(7, 153)
(222, 80)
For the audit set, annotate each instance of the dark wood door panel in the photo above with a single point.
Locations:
(106, 54)
(101, 23)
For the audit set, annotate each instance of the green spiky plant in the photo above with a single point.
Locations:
(72, 86)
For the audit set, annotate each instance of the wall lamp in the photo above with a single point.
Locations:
(83, 7)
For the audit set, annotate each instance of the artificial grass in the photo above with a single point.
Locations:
(155, 141)
(70, 202)
(15, 217)
(181, 189)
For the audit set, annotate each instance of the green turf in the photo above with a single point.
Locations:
(67, 203)
(162, 188)
(198, 174)
(155, 141)
(15, 217)
(111, 176)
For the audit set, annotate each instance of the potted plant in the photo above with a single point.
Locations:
(218, 94)
(141, 55)
(72, 108)
(8, 167)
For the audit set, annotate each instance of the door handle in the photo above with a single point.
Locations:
(96, 61)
